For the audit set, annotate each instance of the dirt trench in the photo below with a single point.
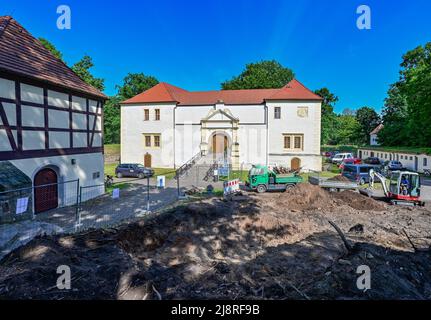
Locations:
(270, 246)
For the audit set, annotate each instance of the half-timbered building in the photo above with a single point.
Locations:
(50, 119)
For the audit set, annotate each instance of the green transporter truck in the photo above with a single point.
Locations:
(262, 179)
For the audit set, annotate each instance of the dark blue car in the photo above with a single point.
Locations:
(359, 173)
(133, 170)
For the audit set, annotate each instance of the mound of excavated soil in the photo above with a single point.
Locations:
(358, 201)
(339, 178)
(306, 196)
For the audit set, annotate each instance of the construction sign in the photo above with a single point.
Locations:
(231, 186)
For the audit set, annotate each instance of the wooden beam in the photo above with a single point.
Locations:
(6, 126)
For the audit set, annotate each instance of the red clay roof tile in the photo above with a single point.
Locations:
(164, 92)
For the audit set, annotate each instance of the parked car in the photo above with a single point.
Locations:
(340, 157)
(133, 170)
(373, 160)
(359, 173)
(392, 165)
(350, 161)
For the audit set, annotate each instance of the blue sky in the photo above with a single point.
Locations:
(199, 44)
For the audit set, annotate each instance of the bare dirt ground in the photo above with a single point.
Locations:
(269, 246)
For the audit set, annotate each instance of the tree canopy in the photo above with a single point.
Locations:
(407, 111)
(133, 84)
(260, 75)
(48, 45)
(82, 69)
(368, 120)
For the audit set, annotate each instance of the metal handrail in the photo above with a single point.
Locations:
(179, 172)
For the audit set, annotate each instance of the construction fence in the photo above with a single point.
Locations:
(211, 177)
(68, 207)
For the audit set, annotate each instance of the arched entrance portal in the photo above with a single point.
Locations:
(220, 144)
(46, 190)
(295, 164)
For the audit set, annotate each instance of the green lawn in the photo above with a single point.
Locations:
(112, 149)
(168, 172)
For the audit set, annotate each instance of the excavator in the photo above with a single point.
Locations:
(401, 187)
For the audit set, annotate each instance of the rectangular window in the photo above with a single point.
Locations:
(148, 141)
(146, 114)
(298, 142)
(296, 139)
(425, 162)
(277, 113)
(157, 141)
(286, 142)
(157, 114)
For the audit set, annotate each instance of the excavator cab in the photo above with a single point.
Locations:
(404, 186)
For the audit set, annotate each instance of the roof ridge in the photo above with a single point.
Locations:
(4, 24)
(168, 87)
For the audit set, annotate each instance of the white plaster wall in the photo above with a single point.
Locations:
(10, 110)
(7, 88)
(79, 139)
(32, 116)
(98, 122)
(4, 141)
(192, 114)
(97, 140)
(92, 106)
(59, 140)
(252, 138)
(252, 144)
(79, 103)
(133, 128)
(31, 93)
(58, 119)
(58, 99)
(291, 122)
(187, 142)
(79, 121)
(251, 114)
(86, 165)
(33, 140)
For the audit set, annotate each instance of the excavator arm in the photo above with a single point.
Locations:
(382, 180)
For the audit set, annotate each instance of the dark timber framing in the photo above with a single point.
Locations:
(17, 151)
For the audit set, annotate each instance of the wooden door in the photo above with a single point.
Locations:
(45, 190)
(295, 164)
(219, 143)
(147, 160)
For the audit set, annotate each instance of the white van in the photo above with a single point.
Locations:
(339, 157)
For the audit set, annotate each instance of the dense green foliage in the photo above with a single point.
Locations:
(407, 112)
(82, 67)
(260, 75)
(133, 84)
(48, 45)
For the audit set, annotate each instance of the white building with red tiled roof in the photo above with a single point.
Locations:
(50, 120)
(374, 139)
(166, 126)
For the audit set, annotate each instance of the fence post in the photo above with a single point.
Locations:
(78, 202)
(178, 184)
(148, 194)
